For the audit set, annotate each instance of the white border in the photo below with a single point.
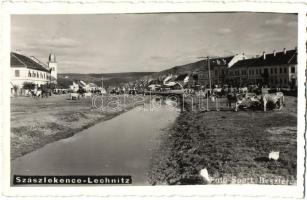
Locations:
(57, 7)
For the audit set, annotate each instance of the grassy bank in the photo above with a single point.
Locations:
(232, 146)
(35, 123)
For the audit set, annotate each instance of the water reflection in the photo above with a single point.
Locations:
(120, 146)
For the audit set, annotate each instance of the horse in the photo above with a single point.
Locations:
(46, 93)
(36, 93)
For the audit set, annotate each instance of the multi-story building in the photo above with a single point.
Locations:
(275, 70)
(31, 70)
(218, 70)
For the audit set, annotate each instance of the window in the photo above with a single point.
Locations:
(285, 70)
(271, 70)
(275, 70)
(17, 73)
(280, 70)
(292, 69)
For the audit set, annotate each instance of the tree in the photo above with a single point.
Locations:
(81, 90)
(28, 86)
(15, 88)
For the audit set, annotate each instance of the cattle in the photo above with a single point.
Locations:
(248, 100)
(277, 98)
(74, 96)
(231, 98)
(88, 94)
(243, 90)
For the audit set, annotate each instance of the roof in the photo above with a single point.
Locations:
(18, 60)
(215, 62)
(181, 77)
(280, 58)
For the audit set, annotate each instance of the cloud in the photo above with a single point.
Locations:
(276, 21)
(100, 43)
(292, 24)
(224, 31)
(55, 42)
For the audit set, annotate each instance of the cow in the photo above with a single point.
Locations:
(243, 90)
(231, 98)
(247, 100)
(88, 94)
(275, 98)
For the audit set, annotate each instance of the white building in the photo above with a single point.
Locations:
(29, 69)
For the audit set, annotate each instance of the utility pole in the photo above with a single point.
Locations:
(208, 58)
(209, 77)
(101, 81)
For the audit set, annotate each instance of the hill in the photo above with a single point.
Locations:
(182, 69)
(110, 79)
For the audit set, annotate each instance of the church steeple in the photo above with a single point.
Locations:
(52, 64)
(52, 58)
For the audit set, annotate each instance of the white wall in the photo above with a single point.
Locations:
(24, 76)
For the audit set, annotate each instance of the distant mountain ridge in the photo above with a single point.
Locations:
(109, 79)
(116, 79)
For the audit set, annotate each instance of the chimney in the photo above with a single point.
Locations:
(243, 56)
(264, 55)
(285, 51)
(274, 52)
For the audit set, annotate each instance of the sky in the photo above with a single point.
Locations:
(111, 43)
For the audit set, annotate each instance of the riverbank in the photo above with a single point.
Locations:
(119, 146)
(35, 123)
(232, 146)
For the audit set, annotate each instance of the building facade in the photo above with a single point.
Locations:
(274, 70)
(26, 69)
(218, 70)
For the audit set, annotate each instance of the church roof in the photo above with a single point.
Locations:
(18, 60)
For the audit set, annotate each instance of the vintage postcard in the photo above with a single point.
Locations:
(153, 99)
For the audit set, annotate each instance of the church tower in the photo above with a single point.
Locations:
(52, 64)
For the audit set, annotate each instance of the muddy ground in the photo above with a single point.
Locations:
(232, 146)
(35, 123)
